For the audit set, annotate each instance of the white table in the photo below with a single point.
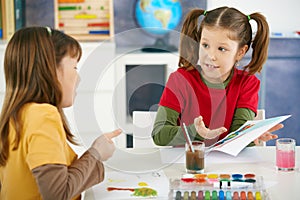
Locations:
(285, 185)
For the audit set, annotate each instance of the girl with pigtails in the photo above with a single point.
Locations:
(209, 92)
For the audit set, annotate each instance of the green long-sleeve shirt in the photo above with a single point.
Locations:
(167, 132)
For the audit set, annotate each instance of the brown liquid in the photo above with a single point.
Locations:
(195, 161)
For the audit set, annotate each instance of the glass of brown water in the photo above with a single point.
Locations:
(195, 157)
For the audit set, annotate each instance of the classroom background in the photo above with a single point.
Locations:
(279, 94)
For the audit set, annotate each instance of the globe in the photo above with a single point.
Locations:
(158, 17)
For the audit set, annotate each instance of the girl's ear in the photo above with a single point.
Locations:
(241, 52)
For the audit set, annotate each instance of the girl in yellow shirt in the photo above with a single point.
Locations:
(41, 78)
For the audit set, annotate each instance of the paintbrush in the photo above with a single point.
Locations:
(187, 137)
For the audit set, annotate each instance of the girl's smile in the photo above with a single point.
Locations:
(211, 67)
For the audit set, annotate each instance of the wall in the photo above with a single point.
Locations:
(282, 15)
(282, 83)
(39, 13)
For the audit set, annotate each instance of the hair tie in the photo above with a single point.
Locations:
(204, 12)
(248, 17)
(49, 30)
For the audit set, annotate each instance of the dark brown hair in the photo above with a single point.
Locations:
(230, 19)
(31, 59)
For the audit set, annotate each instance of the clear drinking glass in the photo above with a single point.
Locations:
(195, 160)
(285, 154)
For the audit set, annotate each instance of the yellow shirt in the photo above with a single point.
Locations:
(43, 141)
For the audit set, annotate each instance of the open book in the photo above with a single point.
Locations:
(236, 141)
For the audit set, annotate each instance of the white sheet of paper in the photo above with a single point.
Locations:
(257, 128)
(155, 180)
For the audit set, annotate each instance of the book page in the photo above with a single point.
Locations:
(239, 139)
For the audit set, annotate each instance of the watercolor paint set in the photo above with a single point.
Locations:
(215, 186)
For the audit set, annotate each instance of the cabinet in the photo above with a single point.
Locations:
(139, 81)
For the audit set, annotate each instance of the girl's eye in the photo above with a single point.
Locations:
(75, 68)
(205, 45)
(222, 49)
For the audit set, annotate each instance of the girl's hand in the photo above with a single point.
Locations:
(206, 133)
(268, 135)
(104, 145)
(113, 134)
